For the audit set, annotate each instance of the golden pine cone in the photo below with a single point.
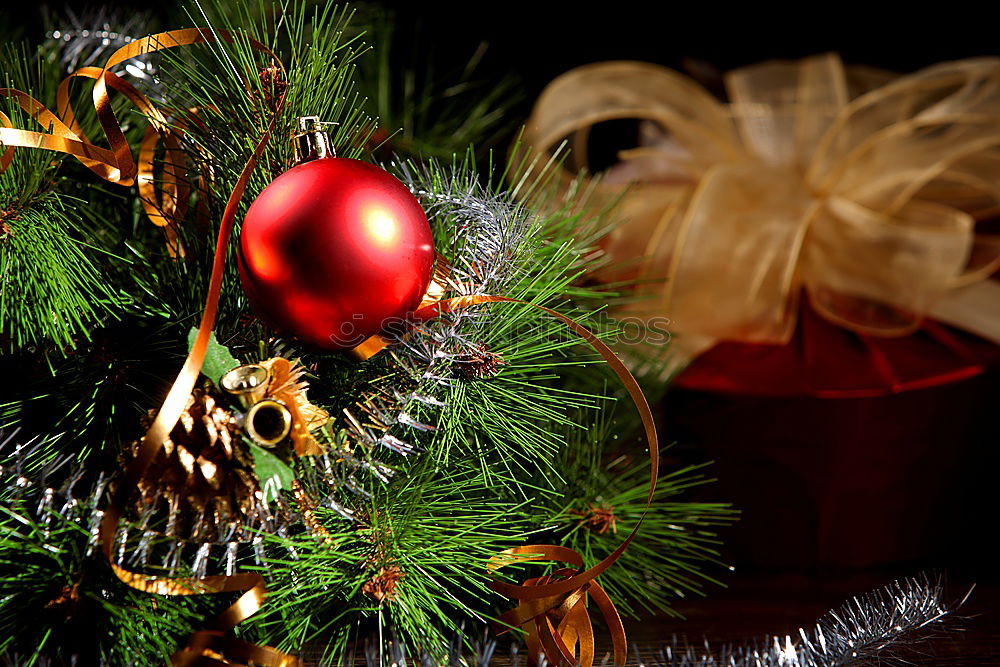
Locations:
(201, 485)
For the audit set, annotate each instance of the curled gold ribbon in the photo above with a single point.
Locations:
(861, 189)
(214, 646)
(164, 206)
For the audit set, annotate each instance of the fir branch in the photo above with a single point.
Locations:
(604, 500)
(414, 556)
(51, 284)
(51, 287)
(222, 96)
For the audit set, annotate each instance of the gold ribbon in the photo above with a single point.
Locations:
(8, 152)
(214, 646)
(165, 206)
(861, 189)
(557, 625)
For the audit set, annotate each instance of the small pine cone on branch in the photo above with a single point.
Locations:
(478, 364)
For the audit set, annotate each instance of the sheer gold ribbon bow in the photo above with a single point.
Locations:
(861, 188)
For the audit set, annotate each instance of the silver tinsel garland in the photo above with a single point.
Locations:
(489, 235)
(89, 39)
(866, 630)
(80, 498)
(863, 631)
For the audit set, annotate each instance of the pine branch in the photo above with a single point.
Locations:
(605, 499)
(51, 284)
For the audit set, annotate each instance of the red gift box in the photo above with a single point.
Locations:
(891, 471)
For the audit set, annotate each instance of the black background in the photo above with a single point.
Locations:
(539, 40)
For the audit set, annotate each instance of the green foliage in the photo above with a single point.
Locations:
(51, 282)
(30, 171)
(51, 274)
(273, 473)
(510, 456)
(436, 528)
(218, 359)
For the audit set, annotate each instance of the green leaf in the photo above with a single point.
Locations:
(273, 473)
(218, 360)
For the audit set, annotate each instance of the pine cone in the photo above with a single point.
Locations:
(201, 485)
(477, 364)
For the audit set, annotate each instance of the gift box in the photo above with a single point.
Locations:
(822, 242)
(850, 482)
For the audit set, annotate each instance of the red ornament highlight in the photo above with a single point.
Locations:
(334, 250)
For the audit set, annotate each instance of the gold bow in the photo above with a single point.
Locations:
(861, 188)
(557, 626)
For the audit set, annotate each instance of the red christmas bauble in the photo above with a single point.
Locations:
(334, 250)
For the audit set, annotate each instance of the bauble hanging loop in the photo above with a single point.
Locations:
(312, 141)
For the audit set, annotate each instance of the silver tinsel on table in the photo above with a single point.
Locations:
(865, 630)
